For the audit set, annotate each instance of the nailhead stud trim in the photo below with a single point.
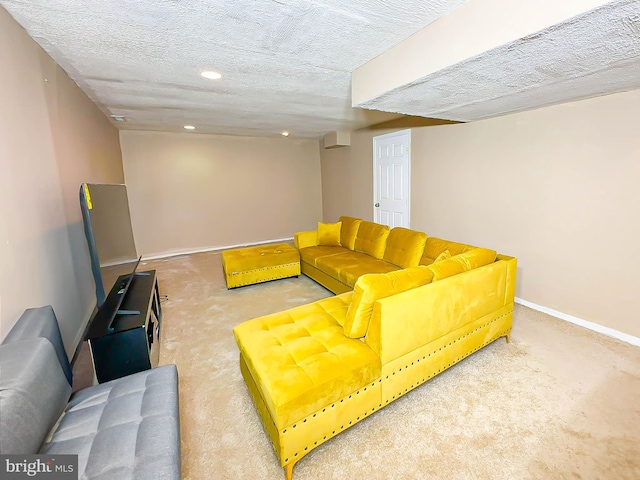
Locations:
(417, 384)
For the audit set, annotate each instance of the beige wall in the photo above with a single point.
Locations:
(190, 192)
(53, 138)
(347, 176)
(473, 28)
(556, 187)
(336, 166)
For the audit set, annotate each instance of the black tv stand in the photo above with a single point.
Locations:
(124, 334)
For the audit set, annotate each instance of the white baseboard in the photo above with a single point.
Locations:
(213, 249)
(610, 332)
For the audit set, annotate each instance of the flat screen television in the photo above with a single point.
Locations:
(107, 227)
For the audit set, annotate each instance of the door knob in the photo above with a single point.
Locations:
(377, 205)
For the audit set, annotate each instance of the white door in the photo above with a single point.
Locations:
(391, 178)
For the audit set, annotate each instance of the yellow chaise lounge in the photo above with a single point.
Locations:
(315, 370)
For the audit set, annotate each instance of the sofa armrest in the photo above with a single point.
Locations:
(512, 269)
(305, 239)
(409, 320)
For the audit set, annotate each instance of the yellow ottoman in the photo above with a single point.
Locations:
(246, 266)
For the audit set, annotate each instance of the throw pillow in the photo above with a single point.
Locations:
(329, 234)
(348, 231)
(446, 255)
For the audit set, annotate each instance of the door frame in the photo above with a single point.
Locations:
(375, 170)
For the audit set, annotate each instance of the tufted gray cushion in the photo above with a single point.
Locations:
(126, 429)
(33, 393)
(41, 322)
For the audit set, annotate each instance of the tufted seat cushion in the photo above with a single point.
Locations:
(350, 274)
(125, 429)
(301, 361)
(311, 255)
(260, 263)
(349, 266)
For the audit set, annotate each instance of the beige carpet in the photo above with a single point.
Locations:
(558, 402)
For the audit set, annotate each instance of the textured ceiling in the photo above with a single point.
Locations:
(592, 54)
(287, 64)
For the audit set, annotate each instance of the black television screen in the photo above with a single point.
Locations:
(107, 226)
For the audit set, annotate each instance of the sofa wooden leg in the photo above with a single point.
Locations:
(288, 470)
(508, 337)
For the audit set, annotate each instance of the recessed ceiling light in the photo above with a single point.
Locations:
(211, 75)
(118, 118)
(189, 127)
(285, 134)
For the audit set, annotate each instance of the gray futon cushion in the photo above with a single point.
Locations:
(41, 322)
(125, 429)
(33, 394)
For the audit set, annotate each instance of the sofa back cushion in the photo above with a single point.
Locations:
(33, 394)
(372, 239)
(446, 255)
(435, 246)
(41, 322)
(404, 247)
(348, 231)
(373, 286)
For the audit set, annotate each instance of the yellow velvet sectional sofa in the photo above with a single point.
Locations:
(408, 307)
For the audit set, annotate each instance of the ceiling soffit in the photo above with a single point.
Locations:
(592, 54)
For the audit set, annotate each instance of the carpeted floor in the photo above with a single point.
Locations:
(558, 402)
